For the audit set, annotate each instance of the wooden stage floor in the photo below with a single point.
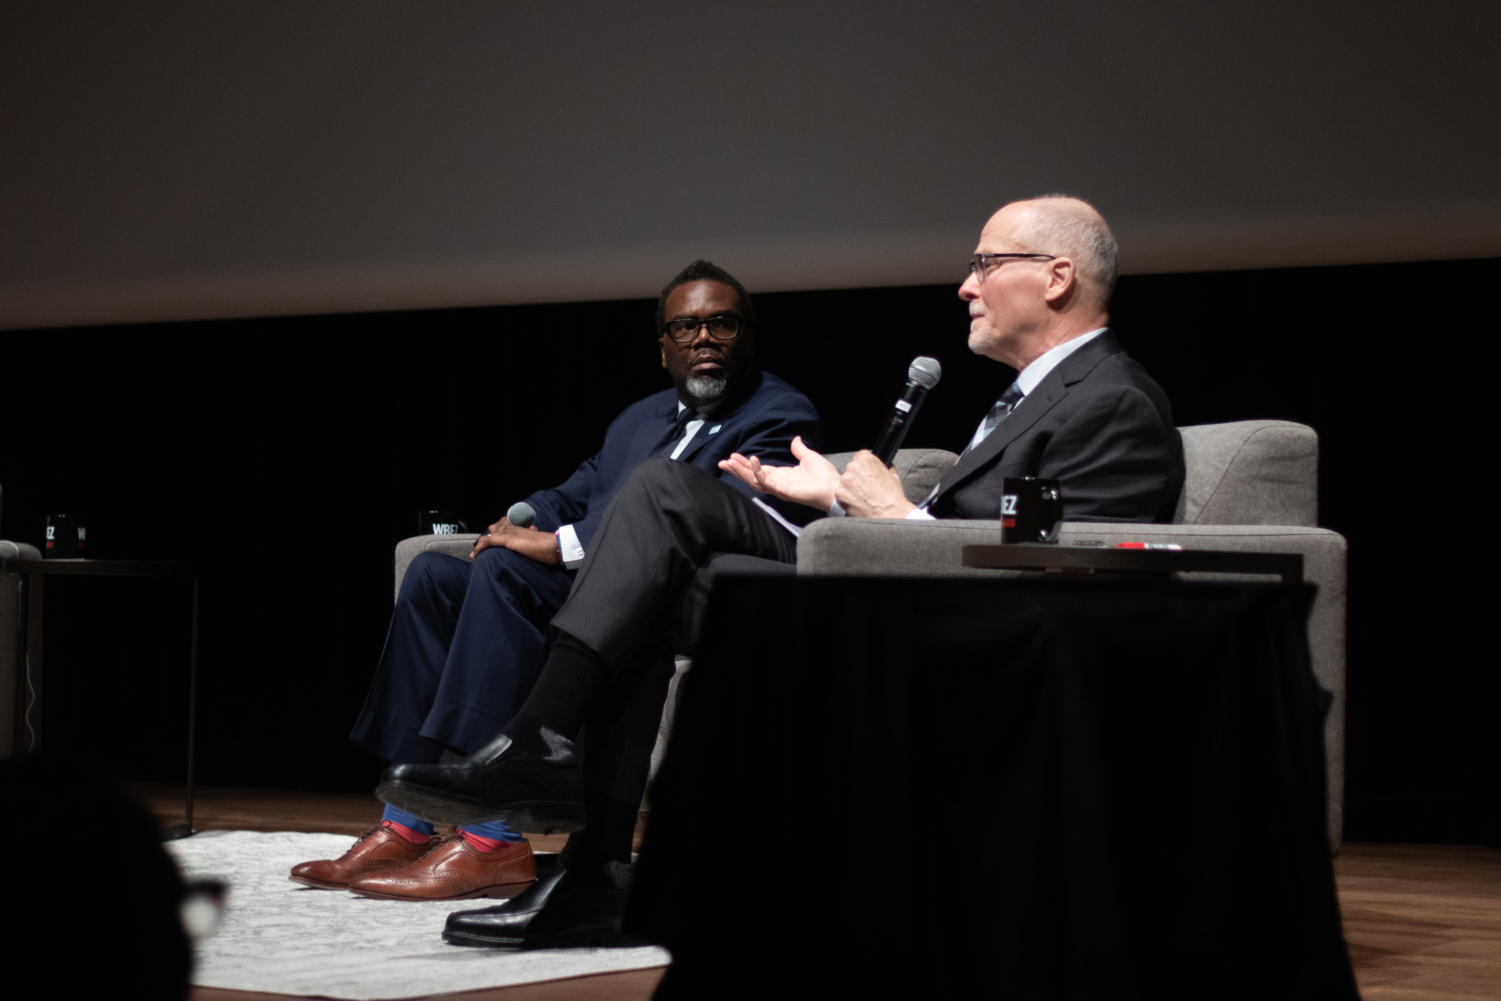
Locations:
(1423, 922)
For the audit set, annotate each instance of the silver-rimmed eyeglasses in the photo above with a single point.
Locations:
(981, 265)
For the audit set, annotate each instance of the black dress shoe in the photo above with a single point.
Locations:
(503, 927)
(532, 788)
(584, 909)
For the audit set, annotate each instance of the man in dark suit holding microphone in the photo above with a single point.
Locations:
(1079, 411)
(467, 639)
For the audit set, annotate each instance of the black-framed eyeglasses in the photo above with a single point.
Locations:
(981, 265)
(721, 327)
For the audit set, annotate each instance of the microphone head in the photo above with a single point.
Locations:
(521, 514)
(925, 371)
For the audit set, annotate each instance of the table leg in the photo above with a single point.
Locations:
(31, 666)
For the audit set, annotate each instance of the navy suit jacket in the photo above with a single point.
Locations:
(762, 424)
(1099, 424)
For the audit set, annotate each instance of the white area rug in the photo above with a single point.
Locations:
(283, 938)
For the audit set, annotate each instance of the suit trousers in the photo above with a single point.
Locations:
(466, 643)
(641, 596)
(667, 532)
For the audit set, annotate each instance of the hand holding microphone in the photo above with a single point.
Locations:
(869, 486)
(517, 531)
(922, 375)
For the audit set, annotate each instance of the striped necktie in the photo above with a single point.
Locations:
(993, 417)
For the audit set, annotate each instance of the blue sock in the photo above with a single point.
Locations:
(495, 829)
(407, 820)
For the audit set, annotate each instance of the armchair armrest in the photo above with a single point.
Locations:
(408, 549)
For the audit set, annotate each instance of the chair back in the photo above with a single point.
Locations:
(1239, 473)
(1249, 473)
(919, 468)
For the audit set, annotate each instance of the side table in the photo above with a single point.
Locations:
(1029, 787)
(1034, 556)
(33, 574)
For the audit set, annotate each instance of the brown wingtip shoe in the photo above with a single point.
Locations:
(455, 870)
(379, 850)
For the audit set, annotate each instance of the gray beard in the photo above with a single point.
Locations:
(706, 388)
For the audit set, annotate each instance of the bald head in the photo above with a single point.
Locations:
(1065, 226)
(1048, 279)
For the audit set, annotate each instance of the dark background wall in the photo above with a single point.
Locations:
(287, 456)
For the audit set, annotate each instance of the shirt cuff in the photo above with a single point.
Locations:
(568, 545)
(916, 514)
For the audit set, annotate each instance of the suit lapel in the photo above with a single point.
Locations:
(654, 437)
(705, 434)
(1034, 406)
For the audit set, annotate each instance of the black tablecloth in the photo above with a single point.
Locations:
(1020, 789)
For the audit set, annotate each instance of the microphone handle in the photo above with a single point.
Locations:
(897, 424)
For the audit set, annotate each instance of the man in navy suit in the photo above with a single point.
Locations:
(467, 639)
(1079, 410)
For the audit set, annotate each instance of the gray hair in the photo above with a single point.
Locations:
(1068, 226)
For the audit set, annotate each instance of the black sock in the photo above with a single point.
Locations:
(572, 680)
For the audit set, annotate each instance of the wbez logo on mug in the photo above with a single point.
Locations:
(1008, 504)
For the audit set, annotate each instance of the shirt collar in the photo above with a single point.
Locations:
(1028, 378)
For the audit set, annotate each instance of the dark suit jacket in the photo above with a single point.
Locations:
(763, 424)
(1097, 423)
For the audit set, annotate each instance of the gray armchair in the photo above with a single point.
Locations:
(1250, 486)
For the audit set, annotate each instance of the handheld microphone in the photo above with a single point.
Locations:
(521, 514)
(922, 375)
